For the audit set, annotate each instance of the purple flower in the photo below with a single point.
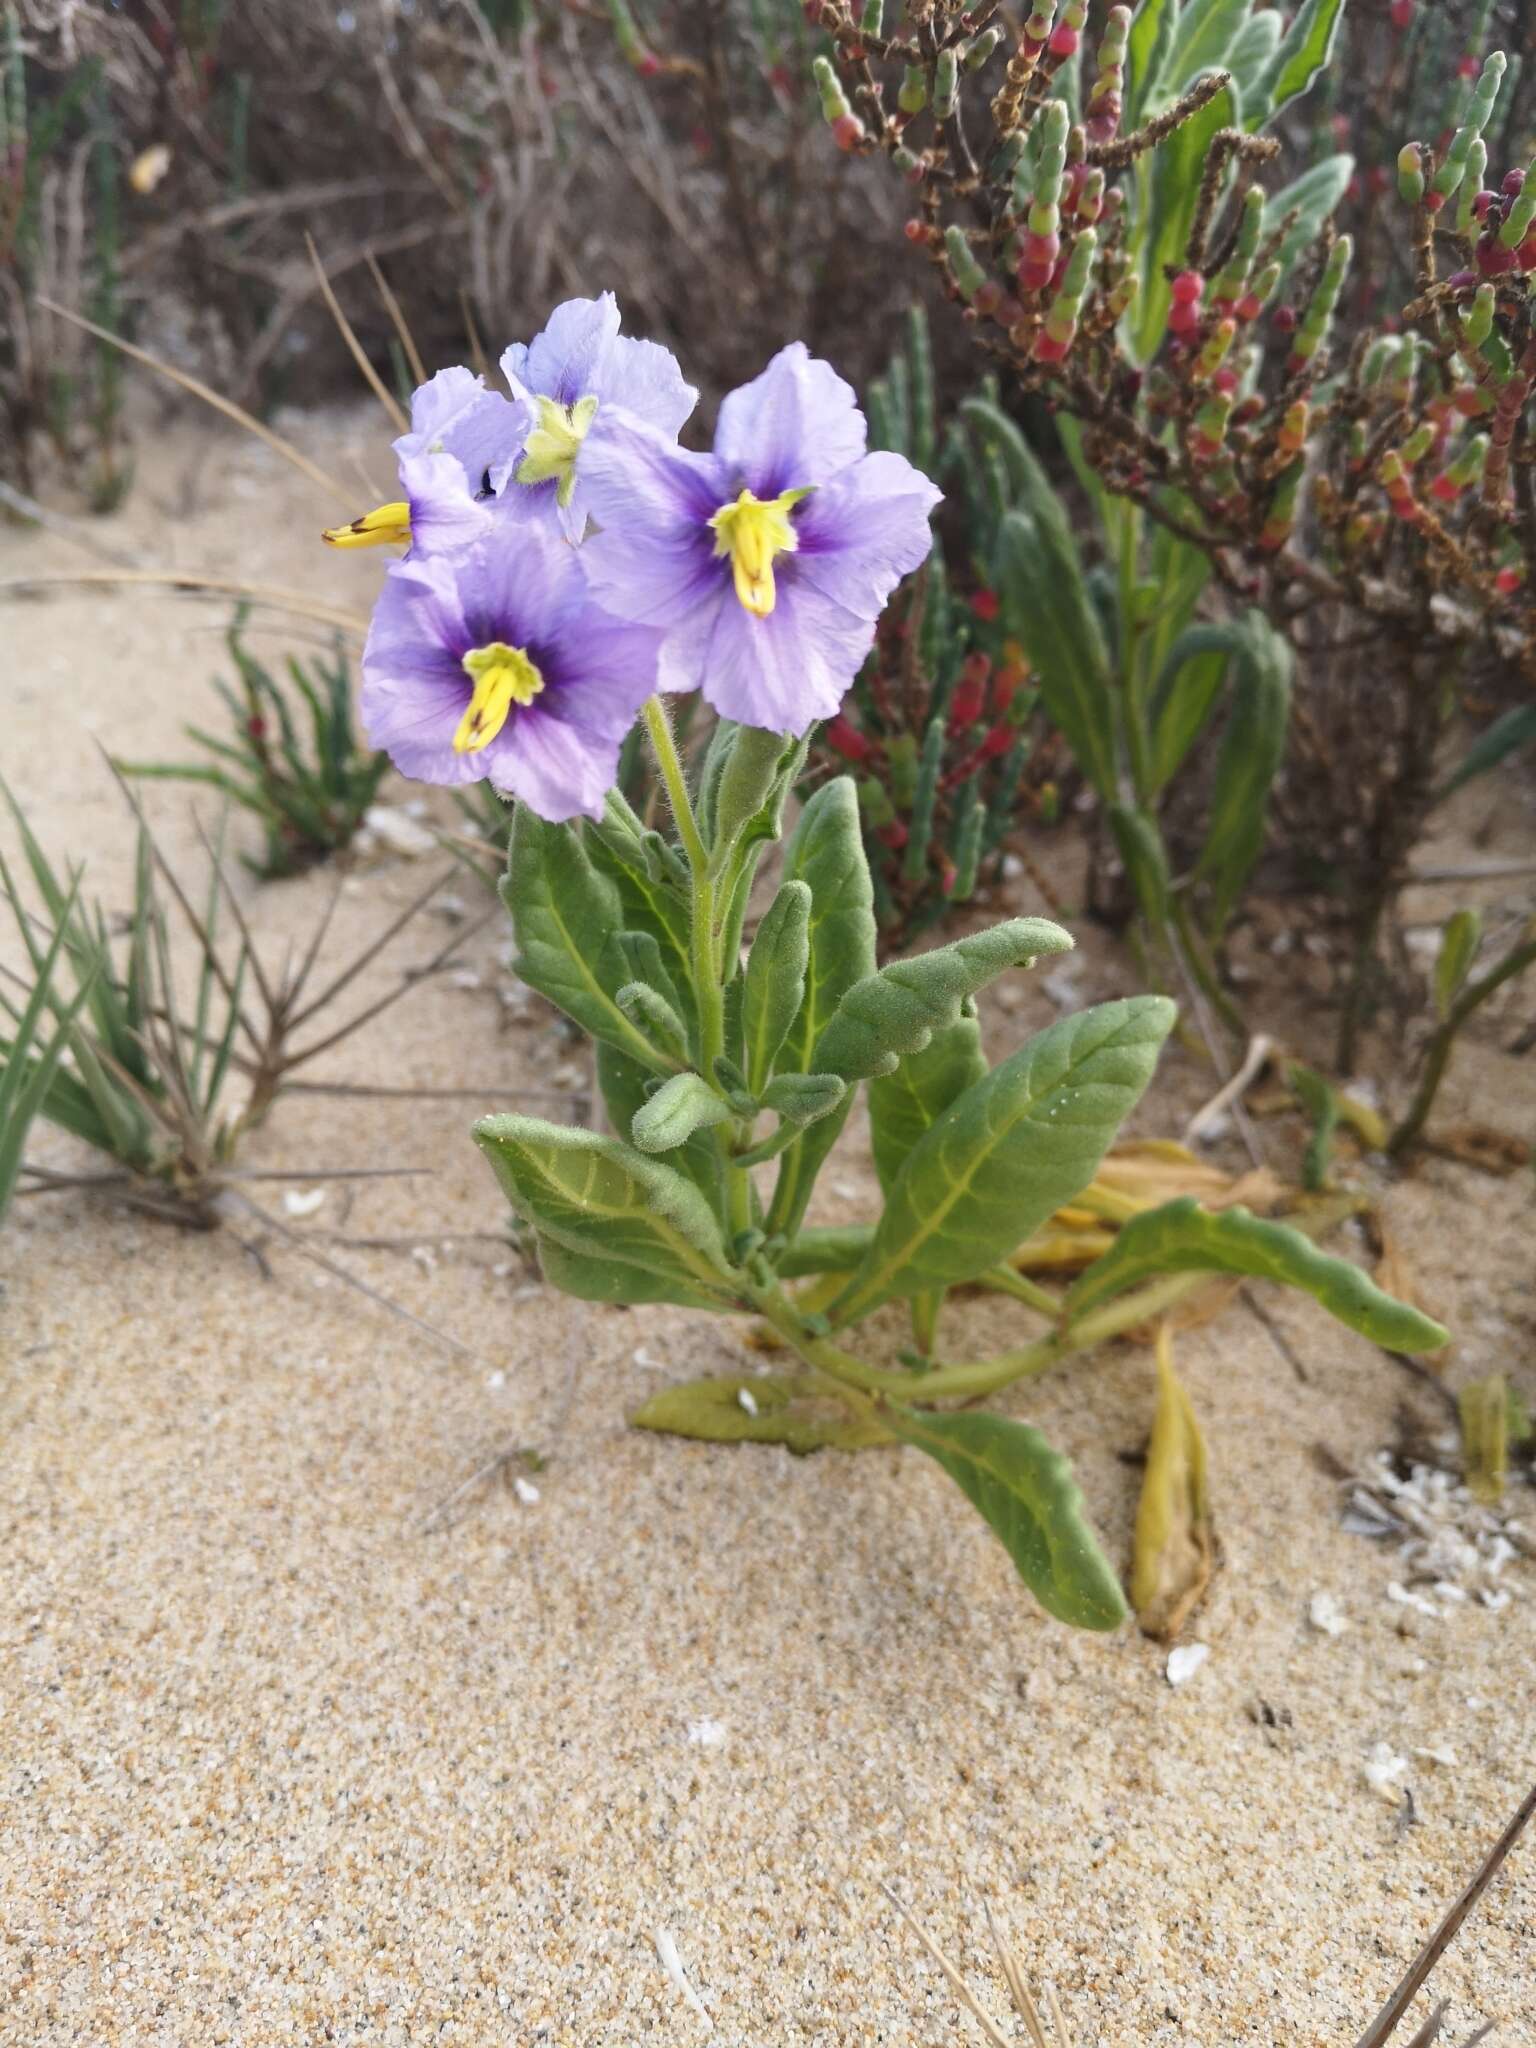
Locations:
(492, 661)
(766, 563)
(454, 467)
(576, 377)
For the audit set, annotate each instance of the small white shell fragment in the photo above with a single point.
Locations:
(746, 1401)
(1382, 1770)
(672, 1963)
(1441, 1753)
(526, 1491)
(648, 1361)
(706, 1733)
(302, 1201)
(496, 1380)
(1185, 1661)
(1326, 1614)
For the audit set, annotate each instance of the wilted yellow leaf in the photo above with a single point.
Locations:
(1174, 1546)
(149, 167)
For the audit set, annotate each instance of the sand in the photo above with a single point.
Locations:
(289, 1756)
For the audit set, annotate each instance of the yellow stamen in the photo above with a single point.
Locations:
(390, 522)
(502, 676)
(551, 449)
(752, 531)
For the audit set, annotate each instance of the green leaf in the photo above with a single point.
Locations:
(1025, 1492)
(1184, 694)
(1304, 49)
(1146, 863)
(649, 902)
(1248, 57)
(1176, 175)
(1505, 736)
(679, 1107)
(888, 1015)
(1206, 32)
(1152, 33)
(775, 979)
(1459, 942)
(605, 1201)
(625, 1085)
(826, 852)
(1007, 1152)
(775, 1411)
(1313, 196)
(590, 1278)
(1044, 584)
(902, 1105)
(563, 912)
(1181, 1237)
(1320, 1102)
(802, 1098)
(1252, 748)
(755, 773)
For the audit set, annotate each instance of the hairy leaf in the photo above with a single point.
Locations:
(590, 1278)
(902, 1105)
(1172, 1556)
(1025, 1492)
(755, 774)
(602, 1199)
(1312, 197)
(775, 979)
(1009, 1151)
(1181, 1237)
(1206, 32)
(679, 1107)
(624, 1085)
(826, 852)
(895, 1012)
(1248, 58)
(563, 912)
(650, 900)
(774, 1411)
(1304, 49)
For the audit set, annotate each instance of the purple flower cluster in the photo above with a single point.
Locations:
(565, 558)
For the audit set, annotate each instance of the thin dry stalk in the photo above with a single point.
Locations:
(196, 585)
(359, 354)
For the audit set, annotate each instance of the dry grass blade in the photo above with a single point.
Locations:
(1018, 1990)
(296, 1241)
(344, 326)
(401, 326)
(208, 395)
(477, 353)
(1387, 2020)
(961, 1989)
(294, 601)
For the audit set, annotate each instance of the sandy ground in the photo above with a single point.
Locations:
(281, 1763)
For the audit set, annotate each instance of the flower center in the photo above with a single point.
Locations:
(390, 522)
(502, 676)
(551, 449)
(752, 531)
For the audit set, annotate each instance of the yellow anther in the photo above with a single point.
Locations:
(752, 531)
(551, 449)
(502, 676)
(385, 523)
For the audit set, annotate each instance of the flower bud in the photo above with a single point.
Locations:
(946, 85)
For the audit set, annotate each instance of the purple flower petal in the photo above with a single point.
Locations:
(560, 751)
(862, 531)
(796, 424)
(444, 512)
(782, 672)
(643, 378)
(454, 414)
(653, 553)
(565, 360)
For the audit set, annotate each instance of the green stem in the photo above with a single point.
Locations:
(704, 944)
(1004, 1280)
(1440, 1046)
